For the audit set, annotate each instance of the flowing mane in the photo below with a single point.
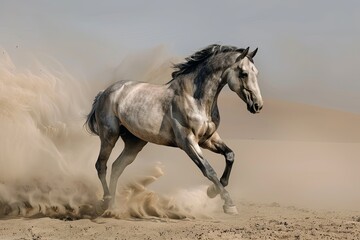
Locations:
(198, 57)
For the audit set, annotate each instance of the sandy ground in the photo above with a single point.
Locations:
(290, 153)
(255, 221)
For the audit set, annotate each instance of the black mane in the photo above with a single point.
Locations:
(194, 60)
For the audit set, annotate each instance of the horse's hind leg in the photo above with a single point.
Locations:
(109, 134)
(133, 145)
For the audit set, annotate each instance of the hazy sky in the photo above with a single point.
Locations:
(309, 50)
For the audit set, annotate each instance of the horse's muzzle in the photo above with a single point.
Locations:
(254, 107)
(253, 104)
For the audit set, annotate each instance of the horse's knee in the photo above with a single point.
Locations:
(230, 157)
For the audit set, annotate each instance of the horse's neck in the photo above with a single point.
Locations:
(204, 88)
(205, 83)
(208, 92)
(209, 82)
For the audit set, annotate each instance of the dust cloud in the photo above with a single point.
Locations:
(43, 147)
(47, 158)
(290, 153)
(136, 200)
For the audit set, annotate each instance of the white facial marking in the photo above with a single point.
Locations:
(251, 83)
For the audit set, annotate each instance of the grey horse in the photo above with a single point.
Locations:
(182, 113)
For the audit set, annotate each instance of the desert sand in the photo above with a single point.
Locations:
(295, 175)
(255, 221)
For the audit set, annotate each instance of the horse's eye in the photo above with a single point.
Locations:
(243, 74)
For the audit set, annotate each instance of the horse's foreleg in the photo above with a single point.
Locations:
(191, 147)
(133, 146)
(217, 145)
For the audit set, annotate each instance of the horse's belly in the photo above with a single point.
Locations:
(151, 133)
(148, 127)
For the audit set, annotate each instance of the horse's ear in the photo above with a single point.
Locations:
(253, 53)
(243, 54)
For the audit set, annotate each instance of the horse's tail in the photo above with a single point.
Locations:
(90, 124)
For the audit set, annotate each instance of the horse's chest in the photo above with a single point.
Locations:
(206, 131)
(197, 119)
(202, 127)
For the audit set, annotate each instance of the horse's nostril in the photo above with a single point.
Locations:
(256, 107)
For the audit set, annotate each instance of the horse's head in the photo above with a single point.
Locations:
(242, 79)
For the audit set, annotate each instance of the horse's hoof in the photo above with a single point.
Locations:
(231, 210)
(99, 208)
(102, 205)
(212, 191)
